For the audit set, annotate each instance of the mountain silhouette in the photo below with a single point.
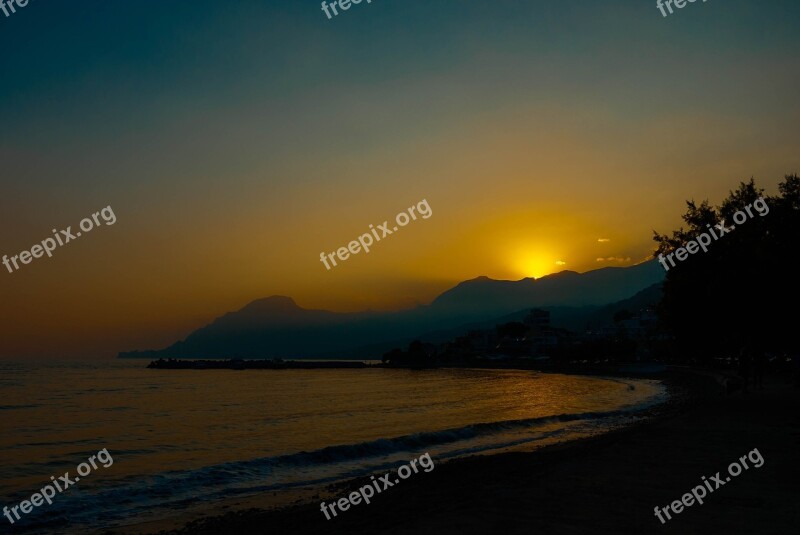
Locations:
(481, 296)
(277, 327)
(577, 319)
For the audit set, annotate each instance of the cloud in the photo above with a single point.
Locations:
(560, 263)
(618, 259)
(603, 240)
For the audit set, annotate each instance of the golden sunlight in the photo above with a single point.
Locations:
(537, 262)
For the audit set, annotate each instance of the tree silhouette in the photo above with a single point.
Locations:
(735, 294)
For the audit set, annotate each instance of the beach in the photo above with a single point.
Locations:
(188, 443)
(605, 484)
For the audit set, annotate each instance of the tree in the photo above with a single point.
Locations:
(733, 294)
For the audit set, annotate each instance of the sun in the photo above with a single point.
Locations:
(538, 262)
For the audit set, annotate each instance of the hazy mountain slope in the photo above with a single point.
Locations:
(277, 327)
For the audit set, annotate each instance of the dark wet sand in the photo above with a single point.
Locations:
(608, 484)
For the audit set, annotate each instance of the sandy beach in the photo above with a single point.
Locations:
(607, 484)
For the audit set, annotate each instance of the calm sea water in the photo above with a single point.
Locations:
(186, 438)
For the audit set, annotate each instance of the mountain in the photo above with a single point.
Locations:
(576, 319)
(481, 296)
(277, 327)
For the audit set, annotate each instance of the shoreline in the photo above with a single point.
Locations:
(287, 501)
(604, 484)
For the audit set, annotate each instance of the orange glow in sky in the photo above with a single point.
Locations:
(237, 146)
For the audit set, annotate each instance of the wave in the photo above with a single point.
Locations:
(419, 441)
(142, 496)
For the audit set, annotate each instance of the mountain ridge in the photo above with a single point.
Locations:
(276, 326)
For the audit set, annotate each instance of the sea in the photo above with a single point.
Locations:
(186, 439)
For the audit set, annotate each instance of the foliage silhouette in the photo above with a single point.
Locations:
(742, 291)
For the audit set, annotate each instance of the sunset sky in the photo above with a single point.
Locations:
(235, 141)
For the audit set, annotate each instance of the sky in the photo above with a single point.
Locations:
(236, 141)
